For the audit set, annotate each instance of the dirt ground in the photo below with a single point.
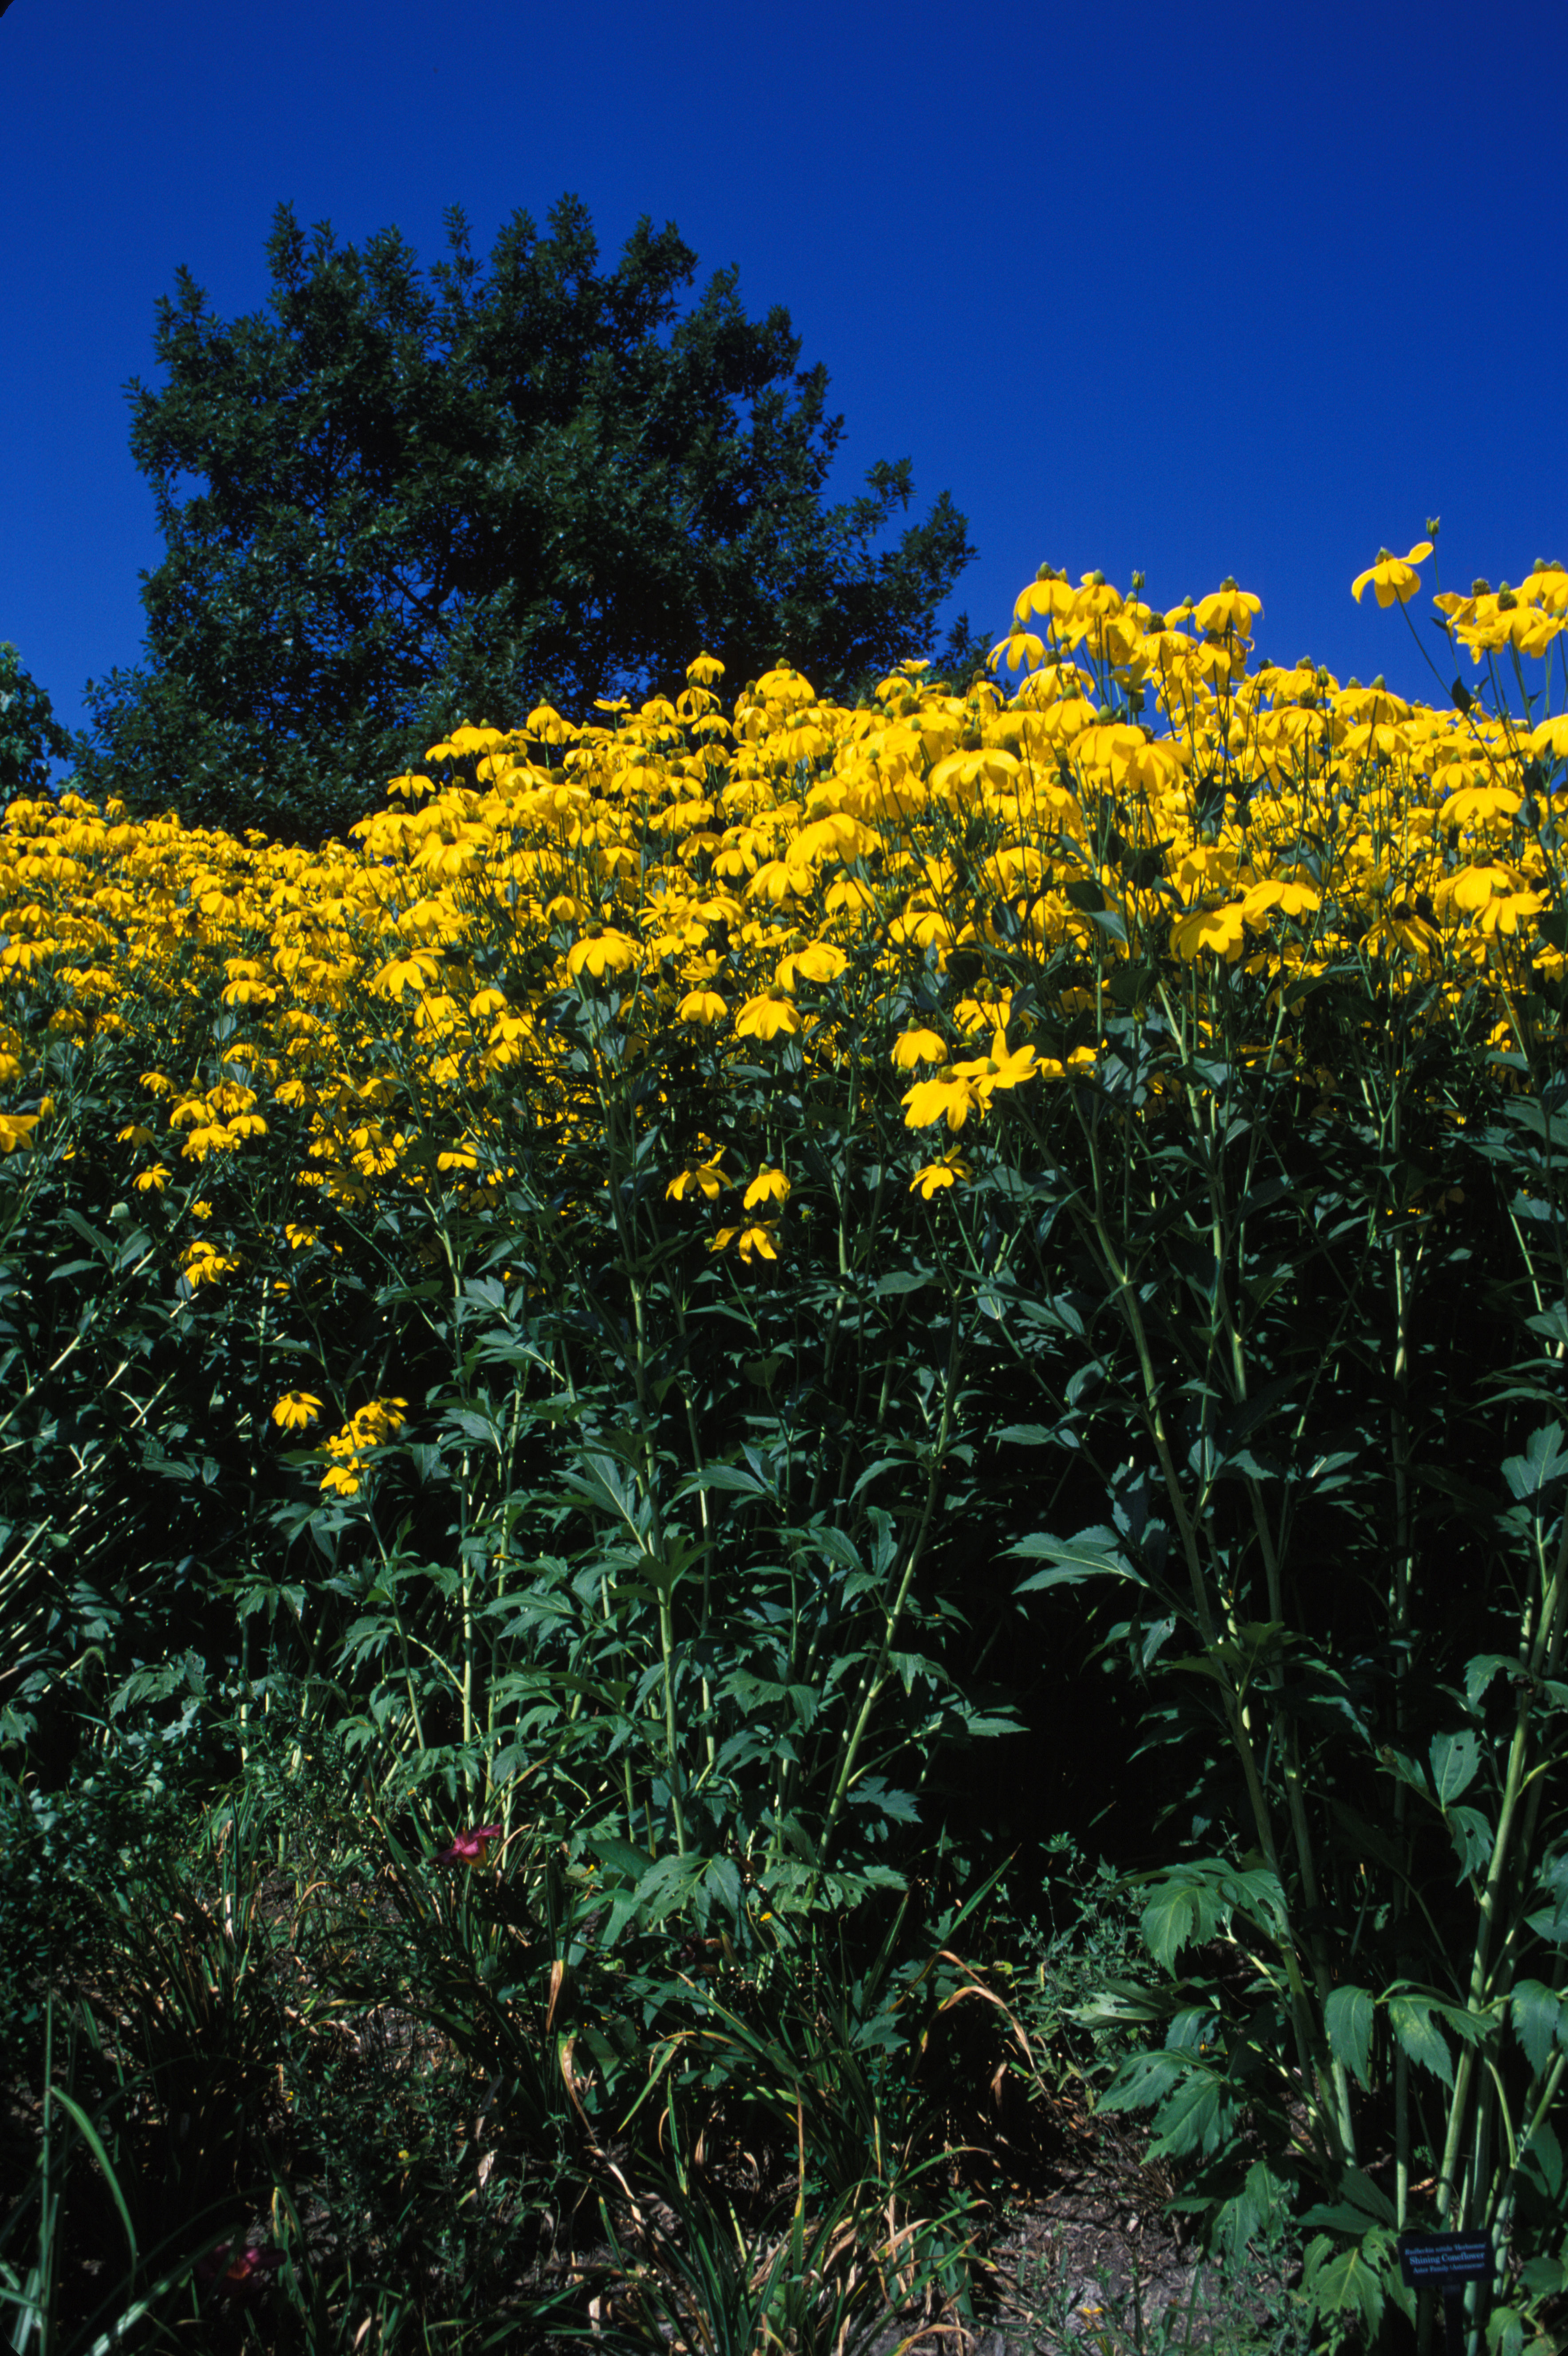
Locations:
(1089, 2258)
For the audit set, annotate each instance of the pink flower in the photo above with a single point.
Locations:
(240, 2272)
(468, 1848)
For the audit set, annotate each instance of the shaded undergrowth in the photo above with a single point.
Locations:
(288, 2076)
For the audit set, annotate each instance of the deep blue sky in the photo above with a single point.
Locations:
(1249, 289)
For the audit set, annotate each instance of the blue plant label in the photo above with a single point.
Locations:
(1444, 2257)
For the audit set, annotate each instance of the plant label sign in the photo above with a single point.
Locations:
(1439, 2258)
(1447, 2262)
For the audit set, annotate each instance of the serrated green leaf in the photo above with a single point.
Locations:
(1410, 2018)
(1543, 2161)
(1093, 1554)
(1472, 1837)
(1409, 1771)
(1347, 2017)
(1180, 1913)
(1194, 2116)
(1454, 1760)
(721, 1886)
(1352, 2282)
(1360, 2207)
(1471, 2027)
(1544, 1464)
(1143, 2080)
(621, 1857)
(1250, 2215)
(1479, 1673)
(472, 1424)
(1538, 2023)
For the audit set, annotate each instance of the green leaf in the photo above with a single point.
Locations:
(1144, 2079)
(903, 1280)
(472, 1424)
(1545, 2278)
(1539, 2021)
(1479, 1673)
(94, 2144)
(1093, 1554)
(721, 1886)
(1128, 984)
(1471, 2026)
(1550, 1922)
(156, 1684)
(1544, 1464)
(1553, 1323)
(1180, 1913)
(1409, 1771)
(1352, 2282)
(1455, 1760)
(1473, 1839)
(1542, 2162)
(1251, 2214)
(1410, 2019)
(89, 1234)
(1360, 2206)
(1196, 2116)
(621, 1855)
(1347, 2017)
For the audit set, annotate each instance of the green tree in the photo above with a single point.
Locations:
(30, 732)
(395, 500)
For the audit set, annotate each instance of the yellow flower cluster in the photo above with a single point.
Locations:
(951, 887)
(203, 1263)
(347, 1451)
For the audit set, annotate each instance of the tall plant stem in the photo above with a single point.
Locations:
(1226, 1245)
(626, 1157)
(699, 1465)
(1399, 1435)
(1311, 2050)
(875, 1677)
(1545, 1634)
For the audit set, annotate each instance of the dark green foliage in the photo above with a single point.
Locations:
(422, 2092)
(30, 732)
(394, 502)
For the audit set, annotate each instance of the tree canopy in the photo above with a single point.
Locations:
(30, 736)
(393, 500)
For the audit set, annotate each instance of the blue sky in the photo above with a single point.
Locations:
(1247, 290)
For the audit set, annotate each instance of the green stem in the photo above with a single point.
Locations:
(877, 1676)
(1315, 2064)
(1448, 2185)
